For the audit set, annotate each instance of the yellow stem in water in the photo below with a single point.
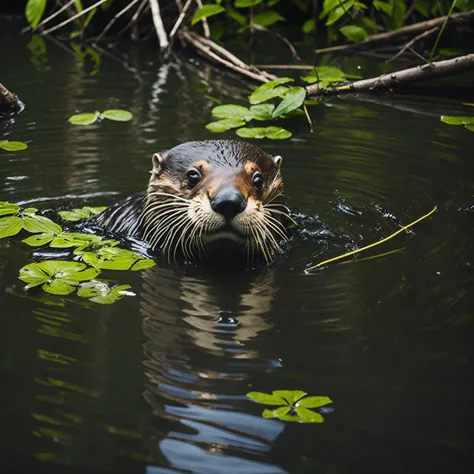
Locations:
(399, 231)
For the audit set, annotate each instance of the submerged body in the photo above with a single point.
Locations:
(206, 197)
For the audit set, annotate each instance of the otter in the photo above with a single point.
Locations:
(207, 195)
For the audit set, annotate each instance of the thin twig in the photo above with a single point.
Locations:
(280, 37)
(448, 16)
(367, 247)
(50, 17)
(134, 17)
(285, 66)
(115, 18)
(405, 30)
(205, 24)
(308, 118)
(179, 20)
(72, 18)
(198, 44)
(159, 27)
(412, 42)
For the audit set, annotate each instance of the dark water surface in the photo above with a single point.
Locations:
(152, 383)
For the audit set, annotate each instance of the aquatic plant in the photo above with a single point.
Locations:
(83, 213)
(62, 277)
(89, 118)
(293, 405)
(12, 146)
(468, 122)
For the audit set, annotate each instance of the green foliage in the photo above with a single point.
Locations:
(274, 133)
(270, 90)
(293, 99)
(83, 213)
(12, 146)
(326, 76)
(267, 18)
(353, 32)
(56, 276)
(100, 292)
(23, 219)
(61, 277)
(292, 405)
(34, 11)
(246, 3)
(88, 118)
(206, 11)
(114, 258)
(468, 122)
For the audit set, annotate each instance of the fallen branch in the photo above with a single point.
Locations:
(9, 102)
(367, 247)
(220, 55)
(405, 30)
(159, 27)
(388, 81)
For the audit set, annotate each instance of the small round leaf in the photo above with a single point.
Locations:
(117, 115)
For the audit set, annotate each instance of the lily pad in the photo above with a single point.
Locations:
(270, 90)
(232, 111)
(453, 120)
(224, 125)
(114, 258)
(117, 115)
(7, 208)
(293, 99)
(274, 133)
(84, 119)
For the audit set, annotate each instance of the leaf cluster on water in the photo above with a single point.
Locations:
(292, 98)
(468, 122)
(293, 405)
(83, 213)
(62, 277)
(89, 118)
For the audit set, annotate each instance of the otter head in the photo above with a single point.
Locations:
(215, 192)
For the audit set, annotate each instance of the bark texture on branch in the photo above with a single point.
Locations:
(419, 73)
(9, 102)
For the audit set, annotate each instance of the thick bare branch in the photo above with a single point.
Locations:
(158, 22)
(9, 102)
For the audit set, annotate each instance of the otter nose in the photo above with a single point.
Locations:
(228, 202)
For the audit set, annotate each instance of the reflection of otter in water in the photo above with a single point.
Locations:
(203, 347)
(209, 195)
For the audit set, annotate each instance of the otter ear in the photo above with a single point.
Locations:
(277, 160)
(158, 161)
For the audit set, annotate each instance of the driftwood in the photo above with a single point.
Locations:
(419, 73)
(9, 102)
(388, 36)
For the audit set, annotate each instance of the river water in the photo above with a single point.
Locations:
(157, 382)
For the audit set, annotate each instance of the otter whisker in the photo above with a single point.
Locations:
(160, 230)
(178, 198)
(268, 238)
(276, 227)
(276, 211)
(169, 215)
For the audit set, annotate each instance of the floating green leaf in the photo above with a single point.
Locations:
(326, 76)
(270, 90)
(10, 226)
(308, 26)
(267, 18)
(274, 133)
(293, 407)
(293, 99)
(469, 127)
(453, 120)
(84, 119)
(7, 208)
(34, 11)
(56, 276)
(100, 292)
(206, 11)
(353, 32)
(12, 146)
(232, 111)
(83, 213)
(35, 224)
(95, 246)
(62, 240)
(262, 112)
(114, 258)
(117, 115)
(224, 125)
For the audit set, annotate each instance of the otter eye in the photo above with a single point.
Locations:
(193, 176)
(257, 180)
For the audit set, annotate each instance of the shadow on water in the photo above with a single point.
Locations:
(157, 382)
